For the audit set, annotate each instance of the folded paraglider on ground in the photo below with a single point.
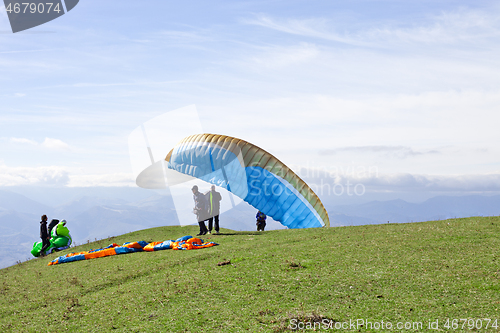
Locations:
(183, 243)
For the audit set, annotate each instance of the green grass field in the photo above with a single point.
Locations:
(276, 281)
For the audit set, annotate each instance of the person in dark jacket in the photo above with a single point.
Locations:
(200, 209)
(44, 235)
(214, 198)
(261, 221)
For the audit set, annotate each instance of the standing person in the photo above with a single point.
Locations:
(44, 235)
(214, 198)
(261, 221)
(200, 209)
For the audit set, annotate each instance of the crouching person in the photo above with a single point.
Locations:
(261, 221)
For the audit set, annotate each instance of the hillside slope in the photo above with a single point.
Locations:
(395, 272)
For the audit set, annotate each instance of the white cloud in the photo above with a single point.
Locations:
(51, 175)
(116, 179)
(317, 28)
(387, 151)
(328, 122)
(145, 83)
(462, 25)
(48, 143)
(279, 57)
(186, 36)
(27, 51)
(60, 176)
(465, 183)
(55, 144)
(371, 180)
(23, 141)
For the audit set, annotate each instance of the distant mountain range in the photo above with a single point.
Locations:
(400, 211)
(96, 213)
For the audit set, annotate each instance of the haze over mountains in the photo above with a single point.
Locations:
(400, 211)
(96, 213)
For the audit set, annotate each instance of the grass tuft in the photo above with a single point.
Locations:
(293, 264)
(312, 320)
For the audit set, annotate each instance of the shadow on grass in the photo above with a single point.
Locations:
(246, 233)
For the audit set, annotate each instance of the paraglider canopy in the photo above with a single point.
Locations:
(60, 239)
(252, 174)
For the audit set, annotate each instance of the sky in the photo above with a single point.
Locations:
(393, 95)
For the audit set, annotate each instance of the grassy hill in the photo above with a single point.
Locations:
(276, 281)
